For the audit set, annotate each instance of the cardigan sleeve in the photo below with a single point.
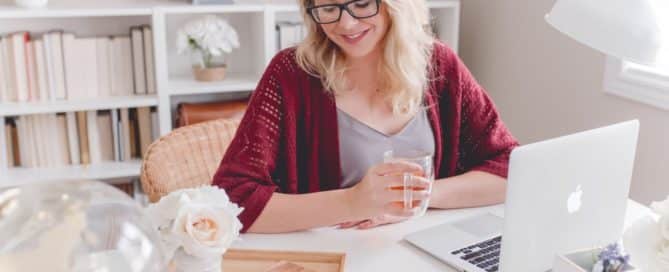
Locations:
(485, 143)
(245, 172)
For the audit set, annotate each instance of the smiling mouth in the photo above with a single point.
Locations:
(355, 37)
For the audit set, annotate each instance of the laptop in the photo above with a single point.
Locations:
(563, 194)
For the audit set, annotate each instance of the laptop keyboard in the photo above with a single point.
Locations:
(484, 255)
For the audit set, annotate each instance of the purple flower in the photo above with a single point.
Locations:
(613, 259)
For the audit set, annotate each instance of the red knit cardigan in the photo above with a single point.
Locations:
(287, 141)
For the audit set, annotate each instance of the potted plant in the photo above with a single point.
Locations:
(207, 40)
(608, 259)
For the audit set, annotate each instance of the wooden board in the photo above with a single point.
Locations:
(238, 260)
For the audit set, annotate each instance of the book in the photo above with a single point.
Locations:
(82, 131)
(55, 54)
(93, 137)
(116, 136)
(50, 67)
(41, 70)
(48, 133)
(8, 142)
(4, 72)
(137, 39)
(134, 134)
(144, 126)
(73, 138)
(62, 140)
(122, 73)
(22, 141)
(17, 51)
(105, 132)
(289, 34)
(35, 149)
(80, 66)
(155, 126)
(40, 129)
(31, 72)
(103, 46)
(12, 143)
(149, 65)
(126, 153)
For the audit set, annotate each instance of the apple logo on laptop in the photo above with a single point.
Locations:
(574, 200)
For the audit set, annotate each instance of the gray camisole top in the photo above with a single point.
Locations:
(361, 146)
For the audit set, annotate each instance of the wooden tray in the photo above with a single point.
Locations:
(238, 260)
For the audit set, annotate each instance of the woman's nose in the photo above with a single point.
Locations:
(347, 21)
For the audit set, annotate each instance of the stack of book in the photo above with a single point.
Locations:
(57, 65)
(289, 34)
(86, 137)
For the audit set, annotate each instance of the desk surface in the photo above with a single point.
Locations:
(382, 248)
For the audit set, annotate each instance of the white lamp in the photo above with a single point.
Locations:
(635, 30)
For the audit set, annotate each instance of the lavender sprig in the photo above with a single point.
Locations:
(612, 259)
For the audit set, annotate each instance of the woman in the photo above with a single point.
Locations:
(367, 73)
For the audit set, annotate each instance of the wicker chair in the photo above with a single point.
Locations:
(186, 157)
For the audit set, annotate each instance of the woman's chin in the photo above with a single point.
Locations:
(357, 52)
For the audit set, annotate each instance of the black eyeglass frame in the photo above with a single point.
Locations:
(342, 7)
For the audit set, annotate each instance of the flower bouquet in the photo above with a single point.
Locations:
(207, 40)
(196, 227)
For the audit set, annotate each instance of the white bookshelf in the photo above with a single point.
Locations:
(115, 102)
(186, 85)
(255, 24)
(100, 171)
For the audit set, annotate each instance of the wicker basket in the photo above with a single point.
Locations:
(186, 157)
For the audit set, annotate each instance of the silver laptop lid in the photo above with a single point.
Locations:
(567, 193)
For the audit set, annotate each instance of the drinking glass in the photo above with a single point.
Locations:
(424, 159)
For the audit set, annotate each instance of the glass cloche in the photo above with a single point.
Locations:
(75, 226)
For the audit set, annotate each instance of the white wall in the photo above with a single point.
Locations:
(546, 84)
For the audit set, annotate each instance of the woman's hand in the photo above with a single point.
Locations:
(381, 191)
(374, 222)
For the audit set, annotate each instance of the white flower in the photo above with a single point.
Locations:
(210, 34)
(661, 208)
(202, 221)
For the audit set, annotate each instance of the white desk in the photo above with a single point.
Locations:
(381, 248)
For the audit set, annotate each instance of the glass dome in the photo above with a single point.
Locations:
(75, 226)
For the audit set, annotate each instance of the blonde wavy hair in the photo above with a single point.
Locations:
(404, 67)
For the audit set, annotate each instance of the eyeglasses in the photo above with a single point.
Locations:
(331, 13)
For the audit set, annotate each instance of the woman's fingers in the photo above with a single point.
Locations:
(351, 224)
(406, 195)
(380, 220)
(399, 182)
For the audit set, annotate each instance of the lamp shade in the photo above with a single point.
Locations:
(634, 30)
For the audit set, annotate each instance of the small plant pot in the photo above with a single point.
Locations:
(209, 74)
(581, 261)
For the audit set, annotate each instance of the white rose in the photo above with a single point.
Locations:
(206, 225)
(661, 208)
(201, 220)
